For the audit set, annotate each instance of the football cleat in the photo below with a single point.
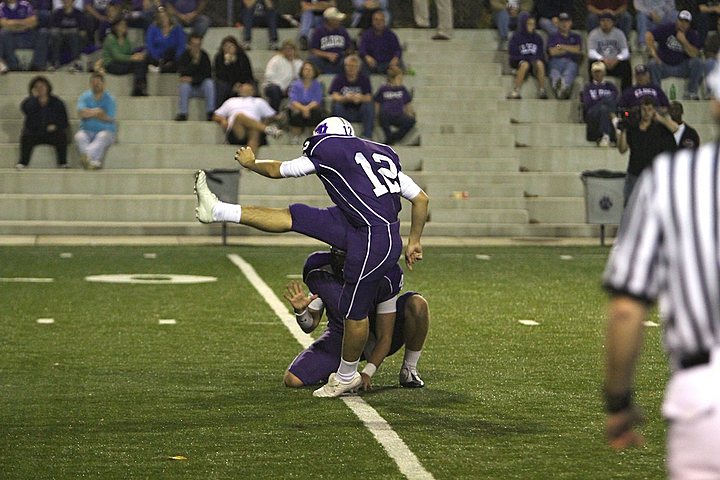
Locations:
(410, 378)
(335, 388)
(206, 200)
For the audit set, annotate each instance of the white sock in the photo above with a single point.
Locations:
(411, 359)
(227, 212)
(346, 370)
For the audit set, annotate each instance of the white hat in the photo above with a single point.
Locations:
(685, 15)
(333, 13)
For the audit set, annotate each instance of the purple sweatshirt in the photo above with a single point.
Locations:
(524, 45)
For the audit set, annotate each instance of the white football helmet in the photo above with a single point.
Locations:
(334, 126)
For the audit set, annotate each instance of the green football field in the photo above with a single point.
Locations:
(96, 381)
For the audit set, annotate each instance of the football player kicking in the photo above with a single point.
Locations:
(365, 181)
(322, 274)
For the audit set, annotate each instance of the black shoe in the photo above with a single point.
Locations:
(139, 92)
(440, 36)
(303, 43)
(180, 117)
(210, 116)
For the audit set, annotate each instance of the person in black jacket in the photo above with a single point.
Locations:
(195, 78)
(685, 136)
(232, 67)
(46, 122)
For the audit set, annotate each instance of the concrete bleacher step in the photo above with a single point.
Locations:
(459, 93)
(469, 140)
(556, 210)
(467, 215)
(552, 184)
(571, 159)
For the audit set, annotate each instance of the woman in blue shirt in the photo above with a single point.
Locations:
(306, 101)
(165, 41)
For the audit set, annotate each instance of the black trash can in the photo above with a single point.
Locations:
(604, 198)
(225, 183)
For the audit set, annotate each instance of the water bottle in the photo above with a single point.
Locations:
(673, 93)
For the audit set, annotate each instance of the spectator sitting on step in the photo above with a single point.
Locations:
(142, 13)
(393, 104)
(264, 13)
(364, 11)
(46, 122)
(712, 48)
(379, 46)
(330, 43)
(96, 109)
(165, 42)
(651, 14)
(311, 17)
(66, 29)
(565, 52)
(246, 118)
(675, 52)
(97, 19)
(281, 70)
(608, 44)
(306, 105)
(643, 87)
(685, 136)
(599, 103)
(351, 95)
(548, 12)
(505, 14)
(527, 55)
(232, 67)
(18, 29)
(617, 8)
(120, 58)
(189, 14)
(195, 79)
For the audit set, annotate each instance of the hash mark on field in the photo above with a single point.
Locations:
(529, 323)
(293, 276)
(167, 321)
(26, 280)
(150, 255)
(395, 447)
(566, 257)
(649, 323)
(45, 321)
(482, 257)
(66, 255)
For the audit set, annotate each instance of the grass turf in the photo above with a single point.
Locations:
(106, 392)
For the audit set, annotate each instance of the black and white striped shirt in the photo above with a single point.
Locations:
(668, 248)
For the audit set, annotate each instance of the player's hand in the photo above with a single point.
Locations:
(295, 294)
(366, 382)
(620, 429)
(413, 253)
(245, 156)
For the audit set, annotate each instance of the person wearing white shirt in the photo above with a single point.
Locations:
(280, 71)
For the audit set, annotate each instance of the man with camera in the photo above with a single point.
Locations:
(646, 134)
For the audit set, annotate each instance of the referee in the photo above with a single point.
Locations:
(668, 250)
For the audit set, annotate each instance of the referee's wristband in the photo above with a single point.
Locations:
(615, 403)
(369, 369)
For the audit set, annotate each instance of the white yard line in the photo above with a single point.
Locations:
(395, 447)
(26, 280)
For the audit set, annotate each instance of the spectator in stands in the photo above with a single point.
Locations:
(43, 11)
(444, 10)
(189, 14)
(393, 104)
(46, 122)
(608, 44)
(96, 109)
(649, 137)
(165, 42)
(650, 14)
(548, 11)
(565, 52)
(617, 8)
(18, 24)
(330, 43)
(195, 79)
(232, 68)
(643, 87)
(700, 20)
(708, 17)
(711, 49)
(364, 11)
(266, 13)
(351, 95)
(311, 17)
(685, 136)
(66, 29)
(675, 52)
(505, 14)
(379, 46)
(527, 55)
(120, 58)
(245, 118)
(306, 102)
(281, 70)
(96, 20)
(142, 13)
(599, 103)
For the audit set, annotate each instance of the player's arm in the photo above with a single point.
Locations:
(624, 338)
(298, 167)
(418, 216)
(308, 309)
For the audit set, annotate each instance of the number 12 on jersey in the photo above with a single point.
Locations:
(389, 175)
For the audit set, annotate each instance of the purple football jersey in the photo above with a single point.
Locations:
(360, 176)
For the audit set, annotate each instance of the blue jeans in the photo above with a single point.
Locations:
(504, 23)
(270, 16)
(597, 120)
(308, 21)
(34, 39)
(325, 66)
(547, 25)
(364, 113)
(205, 90)
(403, 123)
(564, 69)
(67, 37)
(644, 23)
(692, 69)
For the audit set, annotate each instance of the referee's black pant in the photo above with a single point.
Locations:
(57, 139)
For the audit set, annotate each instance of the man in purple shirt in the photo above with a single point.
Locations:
(18, 24)
(189, 14)
(330, 43)
(599, 103)
(379, 46)
(675, 52)
(564, 49)
(394, 108)
(365, 182)
(351, 95)
(643, 87)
